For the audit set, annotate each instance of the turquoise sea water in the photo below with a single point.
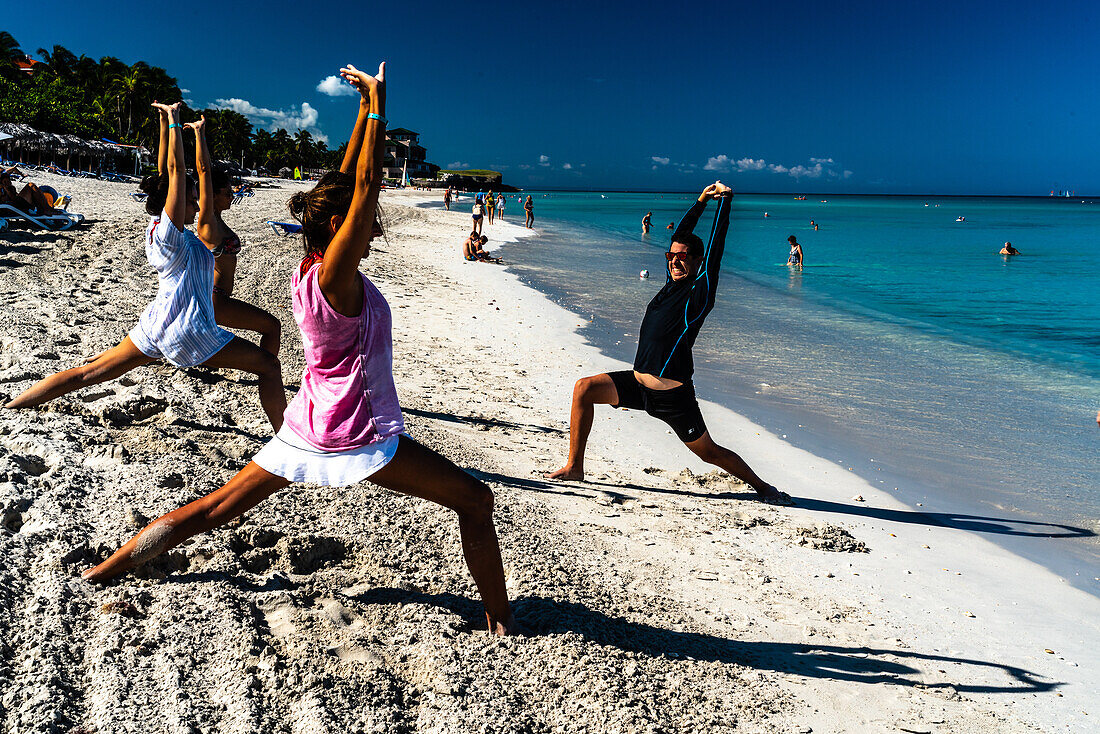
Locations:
(907, 348)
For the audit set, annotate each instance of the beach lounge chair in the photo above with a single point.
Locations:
(52, 222)
(284, 229)
(138, 196)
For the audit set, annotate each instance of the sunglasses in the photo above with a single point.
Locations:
(670, 256)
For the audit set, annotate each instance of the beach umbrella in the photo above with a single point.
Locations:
(5, 136)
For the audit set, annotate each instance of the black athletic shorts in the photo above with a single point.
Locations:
(676, 407)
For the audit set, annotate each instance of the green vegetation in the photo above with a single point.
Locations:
(78, 95)
(474, 172)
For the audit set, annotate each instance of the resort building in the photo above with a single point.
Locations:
(404, 153)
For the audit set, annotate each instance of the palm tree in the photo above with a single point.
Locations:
(303, 146)
(10, 53)
(127, 85)
(59, 63)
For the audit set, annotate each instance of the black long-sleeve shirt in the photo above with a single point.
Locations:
(675, 315)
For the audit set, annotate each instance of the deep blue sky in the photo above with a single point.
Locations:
(913, 97)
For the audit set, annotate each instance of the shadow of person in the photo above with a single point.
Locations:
(539, 616)
(973, 523)
(957, 521)
(482, 422)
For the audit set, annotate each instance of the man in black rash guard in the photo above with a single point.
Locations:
(660, 383)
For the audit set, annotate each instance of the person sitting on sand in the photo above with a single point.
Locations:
(482, 255)
(1008, 249)
(335, 433)
(529, 208)
(794, 260)
(30, 199)
(179, 325)
(469, 247)
(215, 197)
(660, 383)
(647, 222)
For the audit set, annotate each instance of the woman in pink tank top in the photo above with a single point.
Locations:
(345, 423)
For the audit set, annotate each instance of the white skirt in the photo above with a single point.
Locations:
(287, 455)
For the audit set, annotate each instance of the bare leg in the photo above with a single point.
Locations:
(237, 314)
(706, 449)
(588, 392)
(420, 472)
(241, 354)
(241, 493)
(109, 365)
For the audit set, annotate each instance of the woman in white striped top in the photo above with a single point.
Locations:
(178, 326)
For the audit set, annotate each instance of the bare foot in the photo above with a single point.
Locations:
(567, 474)
(501, 629)
(770, 495)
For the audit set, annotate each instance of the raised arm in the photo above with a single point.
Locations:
(355, 142)
(206, 223)
(176, 203)
(691, 217)
(716, 245)
(162, 150)
(339, 273)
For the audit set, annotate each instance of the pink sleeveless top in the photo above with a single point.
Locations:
(347, 399)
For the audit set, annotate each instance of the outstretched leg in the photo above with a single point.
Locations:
(587, 393)
(241, 493)
(237, 314)
(706, 449)
(420, 472)
(109, 365)
(241, 354)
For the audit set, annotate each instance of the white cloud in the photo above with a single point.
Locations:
(659, 160)
(818, 167)
(185, 91)
(334, 86)
(566, 166)
(717, 163)
(524, 166)
(290, 120)
(544, 160)
(457, 165)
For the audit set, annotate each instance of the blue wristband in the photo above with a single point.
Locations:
(375, 116)
(174, 125)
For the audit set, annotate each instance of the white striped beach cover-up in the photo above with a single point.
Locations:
(179, 324)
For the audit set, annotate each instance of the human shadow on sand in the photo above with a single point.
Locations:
(542, 616)
(956, 521)
(482, 422)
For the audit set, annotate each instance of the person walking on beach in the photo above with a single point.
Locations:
(215, 197)
(336, 432)
(1008, 249)
(478, 214)
(529, 207)
(500, 207)
(647, 222)
(179, 325)
(794, 260)
(447, 199)
(490, 206)
(660, 383)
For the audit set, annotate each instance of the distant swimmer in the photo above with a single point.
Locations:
(660, 383)
(1008, 249)
(766, 215)
(794, 260)
(960, 219)
(813, 224)
(671, 225)
(647, 222)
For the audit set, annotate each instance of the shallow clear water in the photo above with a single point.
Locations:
(972, 380)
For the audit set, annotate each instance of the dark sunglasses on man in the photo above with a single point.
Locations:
(670, 256)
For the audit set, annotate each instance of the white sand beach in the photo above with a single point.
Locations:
(655, 597)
